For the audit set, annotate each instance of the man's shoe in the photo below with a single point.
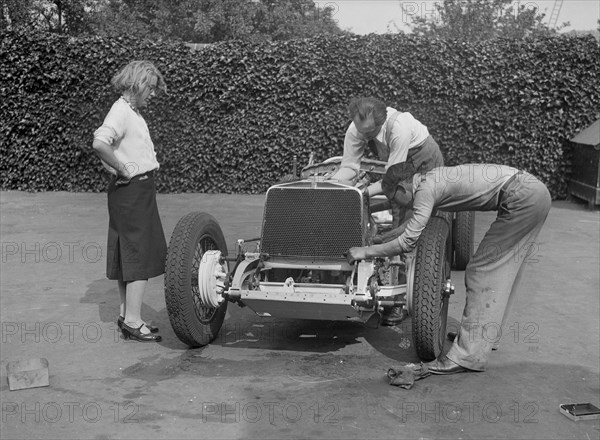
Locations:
(393, 317)
(443, 365)
(452, 337)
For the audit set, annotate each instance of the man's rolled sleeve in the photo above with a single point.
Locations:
(354, 148)
(422, 209)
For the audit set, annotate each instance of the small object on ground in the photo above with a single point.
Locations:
(580, 411)
(31, 373)
(392, 316)
(406, 375)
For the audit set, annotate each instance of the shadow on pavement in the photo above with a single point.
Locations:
(105, 294)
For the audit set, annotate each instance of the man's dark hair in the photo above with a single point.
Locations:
(396, 175)
(366, 106)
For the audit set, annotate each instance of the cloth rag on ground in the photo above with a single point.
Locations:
(406, 375)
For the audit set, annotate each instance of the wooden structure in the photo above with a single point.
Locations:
(585, 178)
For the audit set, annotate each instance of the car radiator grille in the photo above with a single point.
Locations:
(315, 222)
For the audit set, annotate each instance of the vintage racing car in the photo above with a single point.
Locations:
(298, 269)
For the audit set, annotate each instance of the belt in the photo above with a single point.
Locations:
(506, 185)
(143, 176)
(120, 181)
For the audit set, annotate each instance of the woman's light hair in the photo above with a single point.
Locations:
(135, 75)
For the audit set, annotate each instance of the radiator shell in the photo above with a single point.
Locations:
(313, 220)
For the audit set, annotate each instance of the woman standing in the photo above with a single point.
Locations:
(136, 241)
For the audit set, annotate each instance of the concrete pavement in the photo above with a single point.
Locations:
(268, 378)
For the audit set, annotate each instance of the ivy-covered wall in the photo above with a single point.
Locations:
(237, 113)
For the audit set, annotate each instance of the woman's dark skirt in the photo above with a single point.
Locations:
(137, 248)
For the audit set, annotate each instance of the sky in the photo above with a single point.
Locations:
(381, 16)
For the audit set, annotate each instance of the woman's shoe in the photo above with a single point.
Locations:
(136, 334)
(121, 320)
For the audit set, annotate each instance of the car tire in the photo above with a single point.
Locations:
(463, 235)
(429, 307)
(194, 323)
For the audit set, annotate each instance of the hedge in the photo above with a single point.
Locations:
(236, 113)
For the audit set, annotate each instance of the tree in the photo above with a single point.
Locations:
(200, 21)
(480, 20)
(207, 21)
(14, 14)
(156, 19)
(219, 20)
(283, 20)
(60, 16)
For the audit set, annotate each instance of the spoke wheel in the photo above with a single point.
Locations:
(193, 259)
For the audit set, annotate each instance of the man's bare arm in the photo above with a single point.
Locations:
(388, 249)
